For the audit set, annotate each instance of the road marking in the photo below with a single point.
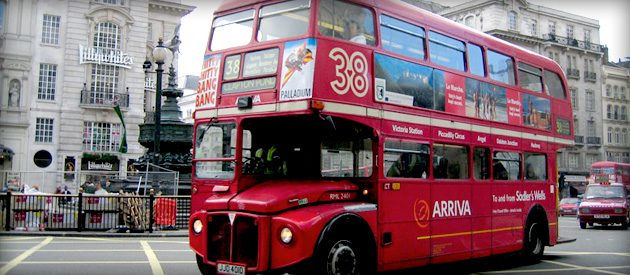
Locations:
(594, 269)
(153, 260)
(586, 253)
(17, 260)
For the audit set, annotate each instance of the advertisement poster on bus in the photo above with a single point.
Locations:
(455, 93)
(486, 101)
(208, 82)
(405, 83)
(298, 69)
(536, 111)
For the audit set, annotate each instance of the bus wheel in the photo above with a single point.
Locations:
(534, 247)
(340, 256)
(204, 268)
(624, 224)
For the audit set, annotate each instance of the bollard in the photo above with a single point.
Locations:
(7, 203)
(151, 209)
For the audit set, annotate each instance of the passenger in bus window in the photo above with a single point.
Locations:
(354, 32)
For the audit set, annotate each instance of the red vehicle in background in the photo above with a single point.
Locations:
(568, 206)
(611, 172)
(604, 203)
(344, 137)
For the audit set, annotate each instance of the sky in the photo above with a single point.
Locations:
(613, 17)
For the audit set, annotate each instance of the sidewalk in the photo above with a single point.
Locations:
(105, 234)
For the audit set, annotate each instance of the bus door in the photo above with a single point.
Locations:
(404, 203)
(450, 205)
(507, 208)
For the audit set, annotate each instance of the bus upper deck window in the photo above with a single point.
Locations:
(346, 21)
(402, 37)
(501, 67)
(553, 85)
(284, 19)
(530, 77)
(475, 60)
(232, 30)
(447, 51)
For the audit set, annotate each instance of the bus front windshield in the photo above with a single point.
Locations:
(306, 147)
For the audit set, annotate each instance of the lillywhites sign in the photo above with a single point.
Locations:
(97, 56)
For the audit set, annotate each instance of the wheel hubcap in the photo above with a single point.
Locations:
(342, 259)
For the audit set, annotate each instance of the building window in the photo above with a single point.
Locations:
(574, 160)
(624, 136)
(574, 97)
(552, 27)
(609, 111)
(623, 92)
(590, 128)
(104, 85)
(616, 114)
(569, 32)
(470, 21)
(513, 18)
(626, 158)
(590, 100)
(607, 90)
(101, 137)
(150, 32)
(534, 27)
(624, 113)
(2, 5)
(616, 92)
(610, 135)
(587, 36)
(617, 136)
(47, 81)
(590, 159)
(44, 130)
(576, 128)
(50, 29)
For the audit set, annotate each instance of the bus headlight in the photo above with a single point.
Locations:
(197, 226)
(585, 210)
(286, 235)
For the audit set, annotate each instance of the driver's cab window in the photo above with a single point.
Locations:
(346, 21)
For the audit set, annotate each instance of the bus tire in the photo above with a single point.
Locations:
(624, 224)
(204, 268)
(534, 241)
(345, 248)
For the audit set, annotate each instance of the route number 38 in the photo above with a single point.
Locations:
(351, 72)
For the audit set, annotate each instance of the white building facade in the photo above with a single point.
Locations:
(616, 105)
(65, 67)
(573, 42)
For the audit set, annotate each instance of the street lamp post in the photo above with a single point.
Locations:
(159, 55)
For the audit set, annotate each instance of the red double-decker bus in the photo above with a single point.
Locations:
(344, 137)
(610, 172)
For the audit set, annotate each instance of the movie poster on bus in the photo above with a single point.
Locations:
(536, 111)
(486, 101)
(208, 82)
(298, 69)
(455, 86)
(409, 84)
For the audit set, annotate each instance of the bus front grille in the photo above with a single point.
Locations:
(236, 242)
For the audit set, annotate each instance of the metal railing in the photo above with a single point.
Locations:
(593, 140)
(83, 212)
(105, 99)
(569, 41)
(573, 73)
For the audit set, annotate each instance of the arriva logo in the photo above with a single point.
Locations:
(451, 208)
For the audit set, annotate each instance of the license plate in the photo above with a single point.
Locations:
(230, 269)
(602, 216)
